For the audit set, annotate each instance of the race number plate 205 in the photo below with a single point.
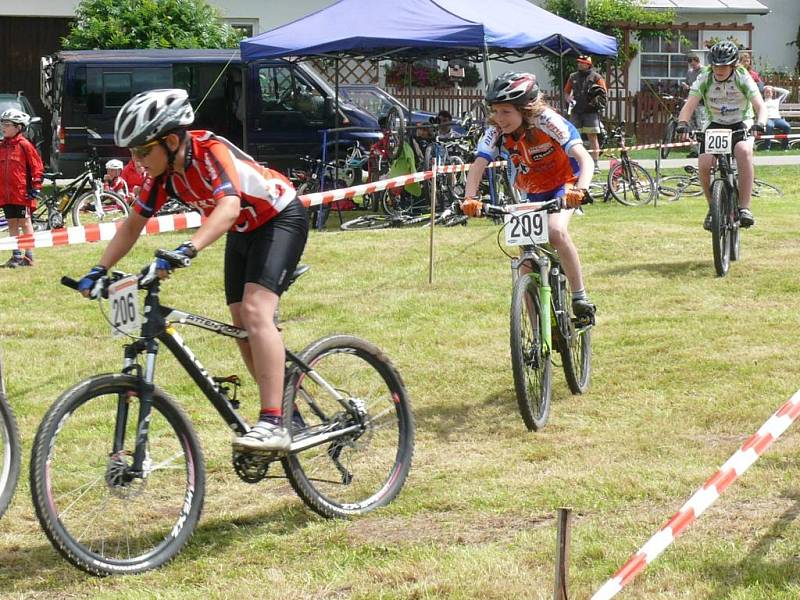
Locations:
(123, 300)
(525, 226)
(718, 141)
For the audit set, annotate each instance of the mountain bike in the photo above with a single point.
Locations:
(724, 205)
(83, 198)
(10, 448)
(541, 313)
(628, 182)
(117, 472)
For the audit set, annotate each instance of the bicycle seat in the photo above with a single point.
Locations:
(298, 271)
(53, 175)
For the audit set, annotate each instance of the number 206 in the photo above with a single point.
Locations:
(124, 309)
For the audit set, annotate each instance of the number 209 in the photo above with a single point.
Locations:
(527, 225)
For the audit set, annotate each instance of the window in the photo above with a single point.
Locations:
(117, 88)
(663, 63)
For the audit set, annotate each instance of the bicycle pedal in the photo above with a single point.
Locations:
(584, 321)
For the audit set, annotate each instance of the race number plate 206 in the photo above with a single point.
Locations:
(718, 141)
(123, 300)
(525, 226)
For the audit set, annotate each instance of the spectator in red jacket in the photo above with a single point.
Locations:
(21, 173)
(134, 176)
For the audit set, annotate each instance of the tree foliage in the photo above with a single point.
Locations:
(110, 24)
(607, 16)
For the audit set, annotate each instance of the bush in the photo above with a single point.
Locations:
(425, 76)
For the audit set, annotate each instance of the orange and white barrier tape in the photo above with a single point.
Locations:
(105, 231)
(98, 232)
(737, 464)
(607, 151)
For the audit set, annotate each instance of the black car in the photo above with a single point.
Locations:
(20, 102)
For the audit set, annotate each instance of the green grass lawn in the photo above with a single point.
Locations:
(686, 366)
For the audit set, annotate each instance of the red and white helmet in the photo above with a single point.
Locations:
(151, 115)
(114, 163)
(12, 115)
(513, 88)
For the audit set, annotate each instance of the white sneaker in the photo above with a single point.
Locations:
(264, 436)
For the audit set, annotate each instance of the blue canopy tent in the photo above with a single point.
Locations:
(504, 29)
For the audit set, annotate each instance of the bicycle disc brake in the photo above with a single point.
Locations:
(119, 479)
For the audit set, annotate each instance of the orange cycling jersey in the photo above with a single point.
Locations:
(215, 168)
(539, 160)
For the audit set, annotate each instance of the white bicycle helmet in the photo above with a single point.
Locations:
(513, 88)
(114, 163)
(15, 116)
(150, 115)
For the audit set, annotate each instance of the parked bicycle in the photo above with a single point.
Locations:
(541, 312)
(10, 448)
(84, 199)
(628, 182)
(117, 472)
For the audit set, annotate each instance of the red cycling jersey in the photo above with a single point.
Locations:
(215, 168)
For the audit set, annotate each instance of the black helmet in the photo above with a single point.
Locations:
(597, 96)
(724, 53)
(514, 88)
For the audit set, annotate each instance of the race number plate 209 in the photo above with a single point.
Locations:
(123, 301)
(718, 141)
(525, 226)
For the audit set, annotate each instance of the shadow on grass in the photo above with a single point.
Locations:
(40, 567)
(700, 268)
(756, 566)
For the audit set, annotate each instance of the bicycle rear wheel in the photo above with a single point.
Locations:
(574, 344)
(362, 470)
(367, 222)
(762, 188)
(683, 184)
(531, 366)
(100, 516)
(632, 186)
(721, 221)
(86, 211)
(10, 449)
(396, 125)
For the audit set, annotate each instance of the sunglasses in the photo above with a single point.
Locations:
(140, 152)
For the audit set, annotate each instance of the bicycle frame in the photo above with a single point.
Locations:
(159, 327)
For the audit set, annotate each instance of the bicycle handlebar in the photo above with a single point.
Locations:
(145, 277)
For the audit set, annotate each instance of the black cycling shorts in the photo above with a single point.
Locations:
(16, 211)
(267, 255)
(733, 127)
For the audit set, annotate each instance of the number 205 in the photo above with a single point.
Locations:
(527, 225)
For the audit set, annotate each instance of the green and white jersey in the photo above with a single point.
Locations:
(726, 102)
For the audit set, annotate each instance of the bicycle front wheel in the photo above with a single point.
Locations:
(631, 186)
(530, 363)
(10, 449)
(100, 515)
(363, 469)
(720, 226)
(87, 211)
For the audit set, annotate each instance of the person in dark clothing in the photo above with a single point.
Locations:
(586, 111)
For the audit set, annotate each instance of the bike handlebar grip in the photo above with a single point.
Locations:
(174, 258)
(69, 282)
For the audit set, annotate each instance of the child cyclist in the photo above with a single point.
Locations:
(21, 173)
(266, 228)
(548, 161)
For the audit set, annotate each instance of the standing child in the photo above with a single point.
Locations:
(113, 181)
(134, 177)
(21, 173)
